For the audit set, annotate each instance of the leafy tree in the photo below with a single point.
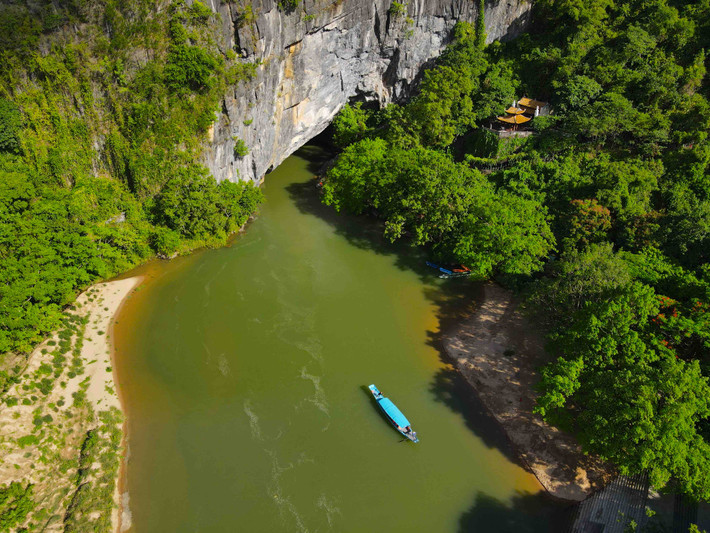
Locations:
(353, 183)
(418, 192)
(588, 223)
(592, 275)
(424, 195)
(15, 504)
(349, 125)
(658, 400)
(590, 13)
(193, 205)
(10, 126)
(189, 67)
(444, 107)
(165, 241)
(503, 233)
(576, 93)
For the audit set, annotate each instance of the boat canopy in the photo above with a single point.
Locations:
(394, 413)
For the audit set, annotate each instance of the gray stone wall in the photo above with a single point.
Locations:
(312, 61)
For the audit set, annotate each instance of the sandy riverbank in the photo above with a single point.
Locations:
(497, 351)
(61, 425)
(98, 356)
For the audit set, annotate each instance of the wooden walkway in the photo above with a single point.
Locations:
(612, 508)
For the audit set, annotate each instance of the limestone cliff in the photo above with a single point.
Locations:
(314, 59)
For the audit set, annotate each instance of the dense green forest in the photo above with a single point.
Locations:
(104, 111)
(602, 218)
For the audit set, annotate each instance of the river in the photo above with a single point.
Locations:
(243, 374)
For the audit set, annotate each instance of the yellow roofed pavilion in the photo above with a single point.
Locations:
(515, 119)
(530, 103)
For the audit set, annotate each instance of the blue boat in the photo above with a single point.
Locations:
(394, 415)
(450, 271)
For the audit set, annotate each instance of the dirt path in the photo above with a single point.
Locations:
(497, 352)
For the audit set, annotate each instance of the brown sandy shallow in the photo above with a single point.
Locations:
(497, 351)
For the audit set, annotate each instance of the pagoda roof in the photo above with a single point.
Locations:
(515, 111)
(529, 102)
(514, 119)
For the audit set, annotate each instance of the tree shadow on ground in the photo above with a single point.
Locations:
(456, 301)
(451, 388)
(525, 513)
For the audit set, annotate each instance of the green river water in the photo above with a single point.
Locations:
(242, 371)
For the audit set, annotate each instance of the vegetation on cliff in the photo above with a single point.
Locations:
(103, 116)
(602, 217)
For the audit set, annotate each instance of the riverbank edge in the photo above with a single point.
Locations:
(113, 295)
(118, 510)
(497, 351)
(83, 401)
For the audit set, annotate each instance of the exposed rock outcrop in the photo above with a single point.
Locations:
(313, 60)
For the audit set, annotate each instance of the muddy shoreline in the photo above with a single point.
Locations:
(498, 351)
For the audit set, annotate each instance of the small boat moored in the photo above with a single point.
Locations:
(450, 271)
(394, 415)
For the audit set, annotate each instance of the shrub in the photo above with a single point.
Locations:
(288, 6)
(27, 440)
(397, 9)
(189, 67)
(200, 12)
(164, 241)
(10, 126)
(240, 148)
(246, 16)
(15, 504)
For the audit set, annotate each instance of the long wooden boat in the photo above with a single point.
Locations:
(394, 415)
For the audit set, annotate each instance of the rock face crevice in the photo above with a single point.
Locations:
(314, 60)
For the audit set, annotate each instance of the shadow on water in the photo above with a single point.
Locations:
(454, 300)
(525, 513)
(359, 231)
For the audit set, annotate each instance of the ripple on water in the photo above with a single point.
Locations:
(253, 421)
(329, 507)
(284, 503)
(319, 398)
(223, 365)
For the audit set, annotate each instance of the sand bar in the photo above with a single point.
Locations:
(497, 351)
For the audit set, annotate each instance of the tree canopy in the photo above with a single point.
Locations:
(99, 140)
(603, 214)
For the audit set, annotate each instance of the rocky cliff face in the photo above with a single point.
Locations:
(315, 59)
